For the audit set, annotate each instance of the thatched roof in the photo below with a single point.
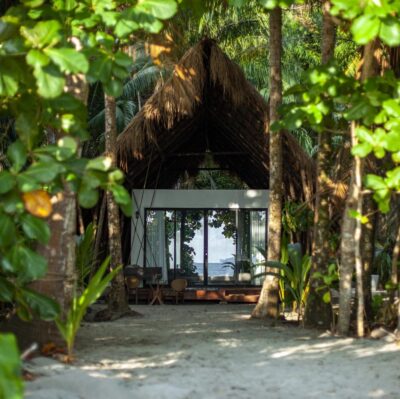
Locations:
(207, 105)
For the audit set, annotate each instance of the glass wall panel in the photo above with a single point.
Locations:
(175, 241)
(156, 249)
(258, 228)
(192, 247)
(221, 246)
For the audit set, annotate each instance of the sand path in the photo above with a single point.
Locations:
(215, 351)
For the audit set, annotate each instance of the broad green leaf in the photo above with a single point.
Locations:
(33, 3)
(11, 384)
(88, 197)
(37, 58)
(27, 128)
(50, 81)
(35, 228)
(24, 263)
(68, 59)
(103, 164)
(43, 172)
(27, 183)
(42, 306)
(120, 193)
(362, 150)
(7, 181)
(43, 34)
(392, 107)
(16, 153)
(9, 78)
(67, 147)
(162, 9)
(6, 290)
(7, 230)
(365, 28)
(390, 31)
(113, 87)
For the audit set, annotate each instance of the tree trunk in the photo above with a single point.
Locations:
(351, 228)
(317, 312)
(394, 278)
(368, 251)
(267, 305)
(118, 300)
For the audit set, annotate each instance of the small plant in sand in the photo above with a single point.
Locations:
(69, 326)
(294, 274)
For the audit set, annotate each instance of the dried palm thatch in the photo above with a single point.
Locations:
(208, 106)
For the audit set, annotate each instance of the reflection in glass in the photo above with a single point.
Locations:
(175, 241)
(221, 246)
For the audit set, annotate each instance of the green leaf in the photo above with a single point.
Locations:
(365, 28)
(392, 107)
(27, 128)
(7, 230)
(113, 87)
(9, 78)
(35, 228)
(162, 9)
(41, 305)
(43, 34)
(68, 59)
(6, 290)
(7, 181)
(88, 197)
(33, 3)
(43, 172)
(362, 150)
(327, 297)
(16, 153)
(37, 58)
(67, 147)
(103, 164)
(11, 385)
(390, 31)
(24, 263)
(50, 81)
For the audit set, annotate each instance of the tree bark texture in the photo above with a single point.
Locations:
(117, 301)
(267, 305)
(351, 228)
(368, 250)
(317, 312)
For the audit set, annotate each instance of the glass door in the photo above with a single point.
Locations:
(221, 247)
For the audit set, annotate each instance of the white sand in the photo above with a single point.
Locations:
(215, 351)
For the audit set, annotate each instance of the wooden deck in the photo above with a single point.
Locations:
(220, 294)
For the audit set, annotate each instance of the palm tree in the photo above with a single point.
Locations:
(267, 305)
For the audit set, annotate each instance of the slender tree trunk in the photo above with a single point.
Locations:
(368, 250)
(317, 312)
(118, 300)
(358, 170)
(267, 305)
(99, 235)
(351, 228)
(395, 277)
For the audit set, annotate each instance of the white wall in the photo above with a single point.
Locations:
(175, 199)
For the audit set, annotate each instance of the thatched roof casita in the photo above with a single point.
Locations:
(207, 105)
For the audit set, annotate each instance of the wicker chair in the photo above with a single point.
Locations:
(179, 286)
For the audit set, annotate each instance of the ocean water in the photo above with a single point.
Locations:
(215, 269)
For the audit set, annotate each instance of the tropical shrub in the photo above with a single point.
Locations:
(69, 326)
